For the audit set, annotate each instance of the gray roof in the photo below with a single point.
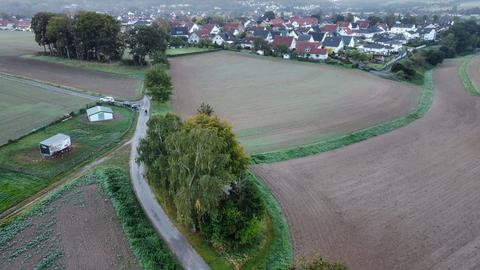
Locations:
(332, 42)
(346, 40)
(304, 37)
(261, 33)
(317, 36)
(55, 139)
(98, 109)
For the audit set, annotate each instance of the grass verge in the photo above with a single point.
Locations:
(187, 51)
(150, 250)
(423, 105)
(279, 253)
(467, 83)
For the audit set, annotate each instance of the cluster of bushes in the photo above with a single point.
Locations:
(200, 169)
(413, 68)
(94, 36)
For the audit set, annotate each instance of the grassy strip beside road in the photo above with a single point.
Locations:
(147, 246)
(424, 103)
(467, 82)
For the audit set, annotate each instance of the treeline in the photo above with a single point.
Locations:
(462, 38)
(200, 169)
(94, 36)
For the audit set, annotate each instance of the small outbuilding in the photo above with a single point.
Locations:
(99, 113)
(54, 145)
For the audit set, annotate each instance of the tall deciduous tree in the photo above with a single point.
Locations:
(39, 26)
(143, 41)
(158, 84)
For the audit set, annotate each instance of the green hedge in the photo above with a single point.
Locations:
(147, 246)
(356, 136)
(279, 254)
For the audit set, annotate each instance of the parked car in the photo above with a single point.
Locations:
(107, 99)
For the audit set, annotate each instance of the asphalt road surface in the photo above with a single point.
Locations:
(186, 255)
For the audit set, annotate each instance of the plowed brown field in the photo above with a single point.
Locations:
(408, 199)
(275, 104)
(83, 79)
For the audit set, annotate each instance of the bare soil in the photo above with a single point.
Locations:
(404, 200)
(275, 104)
(81, 224)
(91, 236)
(87, 80)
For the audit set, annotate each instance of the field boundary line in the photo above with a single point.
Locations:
(423, 105)
(469, 86)
(193, 53)
(280, 252)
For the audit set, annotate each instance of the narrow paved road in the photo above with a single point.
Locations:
(186, 255)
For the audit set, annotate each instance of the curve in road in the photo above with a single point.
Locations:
(186, 255)
(408, 199)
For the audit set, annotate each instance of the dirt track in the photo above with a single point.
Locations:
(408, 199)
(91, 81)
(276, 104)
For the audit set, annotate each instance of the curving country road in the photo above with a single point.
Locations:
(408, 199)
(186, 255)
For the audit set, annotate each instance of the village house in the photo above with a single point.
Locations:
(288, 42)
(263, 34)
(311, 50)
(402, 28)
(376, 48)
(333, 44)
(179, 32)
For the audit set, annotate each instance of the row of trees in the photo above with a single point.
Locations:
(201, 171)
(461, 38)
(94, 36)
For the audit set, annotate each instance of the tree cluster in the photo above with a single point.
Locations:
(461, 38)
(200, 170)
(86, 36)
(94, 36)
(413, 67)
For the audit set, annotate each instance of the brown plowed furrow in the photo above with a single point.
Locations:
(408, 199)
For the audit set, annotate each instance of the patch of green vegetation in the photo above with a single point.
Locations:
(467, 82)
(160, 108)
(147, 246)
(26, 107)
(23, 170)
(279, 253)
(424, 103)
(14, 187)
(46, 262)
(187, 50)
(88, 140)
(117, 68)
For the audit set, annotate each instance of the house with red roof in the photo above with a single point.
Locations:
(298, 21)
(345, 31)
(289, 42)
(235, 28)
(363, 24)
(311, 50)
(328, 28)
(344, 24)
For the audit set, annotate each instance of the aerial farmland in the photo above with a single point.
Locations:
(275, 104)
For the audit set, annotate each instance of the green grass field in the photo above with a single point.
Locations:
(17, 43)
(21, 162)
(25, 107)
(188, 50)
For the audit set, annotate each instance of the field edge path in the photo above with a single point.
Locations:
(180, 247)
